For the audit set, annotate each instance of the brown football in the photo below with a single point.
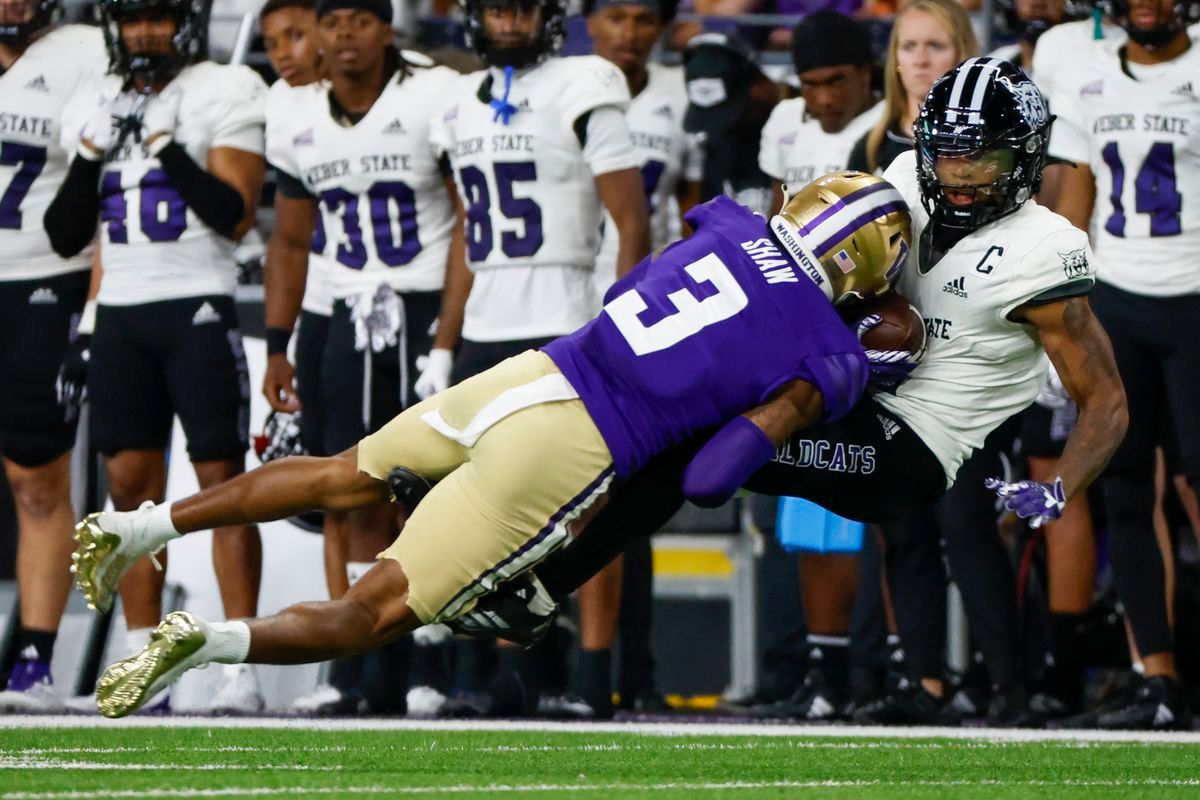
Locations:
(902, 327)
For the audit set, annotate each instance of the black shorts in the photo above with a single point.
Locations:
(1044, 431)
(473, 358)
(362, 391)
(311, 334)
(36, 318)
(154, 360)
(868, 466)
(1160, 367)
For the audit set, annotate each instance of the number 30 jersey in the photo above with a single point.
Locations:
(33, 163)
(153, 247)
(1141, 139)
(706, 330)
(384, 213)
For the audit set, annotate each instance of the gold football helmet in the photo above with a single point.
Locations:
(854, 227)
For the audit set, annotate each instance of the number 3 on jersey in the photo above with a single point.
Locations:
(691, 315)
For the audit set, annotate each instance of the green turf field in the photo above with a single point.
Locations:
(114, 762)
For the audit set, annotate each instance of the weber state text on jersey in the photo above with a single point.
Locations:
(980, 367)
(708, 329)
(384, 214)
(1141, 139)
(153, 246)
(33, 163)
(533, 213)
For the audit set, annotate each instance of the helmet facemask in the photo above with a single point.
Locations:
(149, 60)
(515, 51)
(21, 19)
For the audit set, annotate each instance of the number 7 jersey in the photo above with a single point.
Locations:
(705, 331)
(1141, 139)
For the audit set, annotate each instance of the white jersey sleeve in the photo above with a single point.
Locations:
(240, 113)
(777, 135)
(606, 146)
(588, 83)
(279, 146)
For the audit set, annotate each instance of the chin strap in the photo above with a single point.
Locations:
(504, 109)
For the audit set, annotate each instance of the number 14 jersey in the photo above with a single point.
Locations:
(1139, 132)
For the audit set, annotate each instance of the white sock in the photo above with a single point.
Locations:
(158, 525)
(137, 638)
(356, 569)
(229, 642)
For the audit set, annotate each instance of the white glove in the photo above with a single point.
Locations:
(1053, 395)
(162, 113)
(435, 372)
(102, 132)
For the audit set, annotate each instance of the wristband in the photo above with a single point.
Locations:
(277, 341)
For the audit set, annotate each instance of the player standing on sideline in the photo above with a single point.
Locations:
(1129, 116)
(625, 32)
(174, 142)
(540, 147)
(520, 451)
(41, 297)
(354, 159)
(981, 139)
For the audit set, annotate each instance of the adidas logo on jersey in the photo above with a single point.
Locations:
(1184, 90)
(665, 111)
(39, 84)
(43, 296)
(205, 314)
(956, 287)
(395, 127)
(303, 138)
(890, 426)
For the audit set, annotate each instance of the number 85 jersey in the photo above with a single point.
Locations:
(384, 213)
(1141, 138)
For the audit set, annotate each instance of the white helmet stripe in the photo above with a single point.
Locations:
(853, 215)
(960, 82)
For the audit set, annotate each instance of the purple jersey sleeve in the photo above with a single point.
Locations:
(708, 329)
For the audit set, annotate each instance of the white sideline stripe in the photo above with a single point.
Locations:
(576, 787)
(7, 762)
(637, 728)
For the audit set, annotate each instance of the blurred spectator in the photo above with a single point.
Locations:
(812, 135)
(1028, 19)
(729, 102)
(928, 39)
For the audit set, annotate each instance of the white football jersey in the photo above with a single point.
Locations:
(1141, 139)
(318, 293)
(33, 163)
(154, 247)
(533, 213)
(980, 368)
(385, 215)
(667, 155)
(797, 151)
(1065, 44)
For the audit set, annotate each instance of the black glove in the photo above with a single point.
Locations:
(72, 376)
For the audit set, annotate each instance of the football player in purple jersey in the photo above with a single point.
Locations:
(733, 330)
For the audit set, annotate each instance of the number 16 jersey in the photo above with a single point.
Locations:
(1139, 132)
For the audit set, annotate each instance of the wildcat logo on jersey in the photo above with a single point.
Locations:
(1075, 263)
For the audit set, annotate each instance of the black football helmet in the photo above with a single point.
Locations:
(17, 31)
(281, 437)
(547, 43)
(191, 37)
(1184, 13)
(984, 106)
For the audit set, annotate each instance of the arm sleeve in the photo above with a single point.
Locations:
(215, 202)
(70, 219)
(290, 186)
(725, 462)
(607, 147)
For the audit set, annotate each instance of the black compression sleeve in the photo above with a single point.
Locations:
(291, 187)
(215, 202)
(70, 220)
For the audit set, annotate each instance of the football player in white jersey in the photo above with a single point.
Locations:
(813, 134)
(174, 143)
(540, 147)
(1001, 283)
(1129, 117)
(41, 297)
(625, 32)
(353, 158)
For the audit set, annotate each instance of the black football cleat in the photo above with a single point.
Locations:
(1157, 706)
(911, 705)
(520, 611)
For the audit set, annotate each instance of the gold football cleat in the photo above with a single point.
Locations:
(128, 684)
(100, 560)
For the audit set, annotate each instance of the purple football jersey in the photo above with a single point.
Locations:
(705, 331)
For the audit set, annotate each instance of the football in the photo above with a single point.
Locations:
(902, 327)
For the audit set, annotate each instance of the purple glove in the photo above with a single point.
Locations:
(1037, 502)
(889, 368)
(729, 458)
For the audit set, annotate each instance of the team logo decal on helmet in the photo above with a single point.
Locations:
(985, 112)
(190, 40)
(547, 42)
(19, 21)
